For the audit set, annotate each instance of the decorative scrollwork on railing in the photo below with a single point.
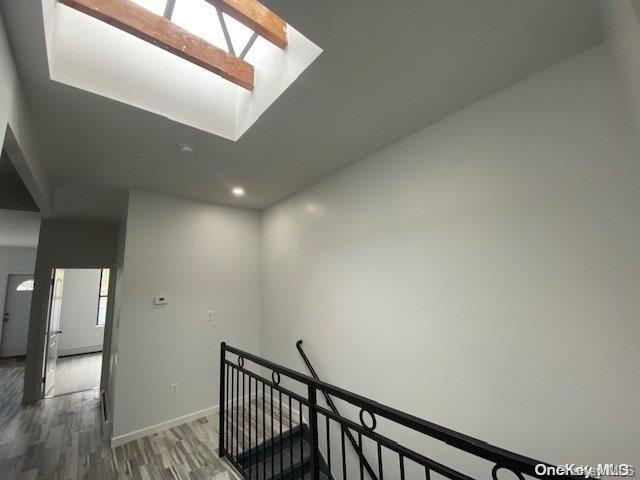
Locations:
(374, 422)
(232, 438)
(494, 472)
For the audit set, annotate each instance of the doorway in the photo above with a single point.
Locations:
(15, 320)
(76, 321)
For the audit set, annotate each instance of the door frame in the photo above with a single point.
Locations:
(4, 305)
(47, 326)
(109, 319)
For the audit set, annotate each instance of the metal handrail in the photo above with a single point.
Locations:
(502, 458)
(334, 409)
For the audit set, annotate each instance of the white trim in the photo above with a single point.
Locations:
(78, 350)
(159, 427)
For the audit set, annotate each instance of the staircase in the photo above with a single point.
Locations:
(285, 457)
(273, 455)
(262, 431)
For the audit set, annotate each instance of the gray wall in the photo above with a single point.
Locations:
(202, 257)
(62, 244)
(78, 314)
(482, 273)
(14, 260)
(16, 131)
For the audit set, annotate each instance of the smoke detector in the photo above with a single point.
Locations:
(187, 149)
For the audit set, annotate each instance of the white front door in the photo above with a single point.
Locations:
(15, 320)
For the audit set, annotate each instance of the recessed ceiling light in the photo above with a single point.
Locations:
(187, 149)
(238, 191)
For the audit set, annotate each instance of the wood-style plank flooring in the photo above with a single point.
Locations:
(59, 438)
(77, 373)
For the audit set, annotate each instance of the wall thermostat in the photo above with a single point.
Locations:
(160, 300)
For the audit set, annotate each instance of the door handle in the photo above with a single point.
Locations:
(6, 317)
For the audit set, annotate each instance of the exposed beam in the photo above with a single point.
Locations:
(142, 23)
(257, 17)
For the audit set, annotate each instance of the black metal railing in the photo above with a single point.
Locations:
(249, 410)
(352, 440)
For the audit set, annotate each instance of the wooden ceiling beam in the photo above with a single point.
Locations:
(159, 31)
(257, 17)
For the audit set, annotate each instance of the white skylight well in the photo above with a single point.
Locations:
(216, 65)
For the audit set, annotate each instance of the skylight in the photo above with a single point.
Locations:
(201, 19)
(207, 22)
(216, 65)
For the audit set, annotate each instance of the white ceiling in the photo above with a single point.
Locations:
(19, 229)
(388, 69)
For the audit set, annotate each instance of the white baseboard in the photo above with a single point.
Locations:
(79, 350)
(159, 427)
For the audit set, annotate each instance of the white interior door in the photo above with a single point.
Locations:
(53, 331)
(16, 315)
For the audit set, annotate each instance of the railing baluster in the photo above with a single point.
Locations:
(344, 458)
(244, 447)
(360, 456)
(328, 444)
(401, 467)
(250, 436)
(221, 413)
(313, 426)
(301, 440)
(290, 439)
(256, 418)
(264, 433)
(280, 424)
(427, 473)
(272, 437)
(234, 413)
(380, 469)
(237, 411)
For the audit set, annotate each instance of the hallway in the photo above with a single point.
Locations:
(60, 438)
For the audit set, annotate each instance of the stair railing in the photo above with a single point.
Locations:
(334, 409)
(256, 456)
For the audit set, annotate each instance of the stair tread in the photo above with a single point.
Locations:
(262, 471)
(286, 435)
(322, 475)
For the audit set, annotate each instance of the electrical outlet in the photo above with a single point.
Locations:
(209, 315)
(174, 389)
